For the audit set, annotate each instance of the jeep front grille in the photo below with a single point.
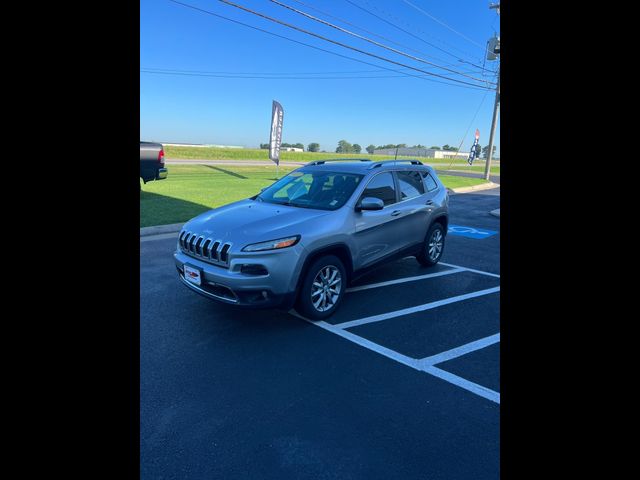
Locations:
(207, 249)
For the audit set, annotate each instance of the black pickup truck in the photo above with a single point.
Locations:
(152, 162)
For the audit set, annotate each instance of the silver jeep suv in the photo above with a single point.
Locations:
(304, 238)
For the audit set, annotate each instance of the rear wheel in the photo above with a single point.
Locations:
(322, 288)
(433, 247)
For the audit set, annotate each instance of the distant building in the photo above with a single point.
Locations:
(422, 152)
(291, 149)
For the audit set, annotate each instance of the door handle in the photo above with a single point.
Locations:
(395, 213)
(429, 202)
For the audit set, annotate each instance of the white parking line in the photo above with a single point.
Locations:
(363, 342)
(427, 364)
(419, 308)
(403, 280)
(470, 269)
(405, 360)
(459, 351)
(462, 383)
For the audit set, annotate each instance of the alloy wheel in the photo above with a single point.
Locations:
(326, 287)
(434, 247)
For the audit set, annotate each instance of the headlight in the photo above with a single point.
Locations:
(272, 244)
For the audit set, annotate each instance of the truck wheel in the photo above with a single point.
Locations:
(433, 247)
(322, 288)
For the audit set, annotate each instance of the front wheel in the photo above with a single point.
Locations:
(433, 247)
(322, 288)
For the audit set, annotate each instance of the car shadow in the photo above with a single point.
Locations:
(228, 172)
(158, 209)
(232, 325)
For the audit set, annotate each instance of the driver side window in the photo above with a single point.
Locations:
(383, 187)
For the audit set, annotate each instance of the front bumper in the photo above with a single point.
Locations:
(247, 299)
(229, 285)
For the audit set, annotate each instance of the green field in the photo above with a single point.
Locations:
(475, 168)
(213, 153)
(192, 189)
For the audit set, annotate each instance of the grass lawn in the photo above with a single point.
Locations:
(213, 153)
(466, 168)
(192, 189)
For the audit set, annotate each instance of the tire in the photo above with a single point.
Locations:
(314, 288)
(433, 247)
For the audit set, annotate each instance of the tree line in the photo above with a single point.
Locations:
(347, 147)
(404, 145)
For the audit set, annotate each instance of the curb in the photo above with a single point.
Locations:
(475, 188)
(160, 229)
(495, 213)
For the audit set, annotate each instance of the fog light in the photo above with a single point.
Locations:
(253, 270)
(264, 294)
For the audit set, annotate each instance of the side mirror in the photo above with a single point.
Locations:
(370, 203)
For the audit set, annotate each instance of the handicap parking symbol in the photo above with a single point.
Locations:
(470, 232)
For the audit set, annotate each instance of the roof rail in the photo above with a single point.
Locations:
(321, 162)
(394, 162)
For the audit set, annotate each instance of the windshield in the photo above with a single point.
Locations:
(317, 189)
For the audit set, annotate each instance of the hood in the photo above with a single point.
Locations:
(248, 221)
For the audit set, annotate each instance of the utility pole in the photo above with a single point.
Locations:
(494, 122)
(496, 106)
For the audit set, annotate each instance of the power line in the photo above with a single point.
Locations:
(399, 28)
(319, 48)
(470, 123)
(341, 72)
(398, 52)
(268, 77)
(442, 23)
(406, 31)
(261, 73)
(377, 35)
(288, 25)
(421, 31)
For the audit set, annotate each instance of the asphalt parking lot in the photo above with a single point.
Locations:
(402, 382)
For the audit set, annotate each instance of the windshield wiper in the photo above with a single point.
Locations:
(289, 204)
(300, 205)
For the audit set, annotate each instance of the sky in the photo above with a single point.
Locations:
(194, 104)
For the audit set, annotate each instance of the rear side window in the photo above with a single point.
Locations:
(383, 187)
(430, 182)
(410, 185)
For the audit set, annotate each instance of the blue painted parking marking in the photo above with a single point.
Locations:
(470, 232)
